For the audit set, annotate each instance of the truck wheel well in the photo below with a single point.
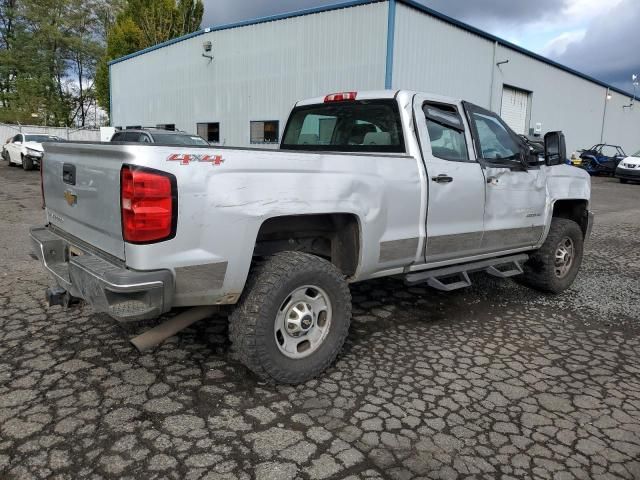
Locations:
(575, 210)
(334, 236)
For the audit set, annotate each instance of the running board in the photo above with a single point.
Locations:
(457, 276)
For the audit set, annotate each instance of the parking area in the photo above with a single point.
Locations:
(491, 381)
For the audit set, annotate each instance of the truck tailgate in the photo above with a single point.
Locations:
(81, 185)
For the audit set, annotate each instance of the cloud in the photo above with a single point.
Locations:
(219, 12)
(495, 13)
(558, 45)
(610, 47)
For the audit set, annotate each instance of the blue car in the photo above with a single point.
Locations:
(602, 159)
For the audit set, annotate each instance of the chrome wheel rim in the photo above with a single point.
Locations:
(303, 321)
(564, 257)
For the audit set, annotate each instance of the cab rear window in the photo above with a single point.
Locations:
(351, 126)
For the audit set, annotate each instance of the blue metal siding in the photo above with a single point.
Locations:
(391, 27)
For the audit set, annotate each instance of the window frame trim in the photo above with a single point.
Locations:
(391, 101)
(219, 132)
(470, 109)
(464, 131)
(277, 142)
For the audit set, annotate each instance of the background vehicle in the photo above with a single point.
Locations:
(156, 135)
(5, 154)
(602, 158)
(365, 185)
(26, 149)
(629, 169)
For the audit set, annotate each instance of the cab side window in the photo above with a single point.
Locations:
(496, 143)
(446, 132)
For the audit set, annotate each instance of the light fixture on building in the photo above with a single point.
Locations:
(207, 47)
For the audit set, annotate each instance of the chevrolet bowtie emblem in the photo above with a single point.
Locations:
(71, 198)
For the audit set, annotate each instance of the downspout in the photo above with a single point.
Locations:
(493, 75)
(110, 98)
(391, 27)
(604, 113)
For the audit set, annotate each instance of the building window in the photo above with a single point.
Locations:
(265, 131)
(209, 131)
(166, 126)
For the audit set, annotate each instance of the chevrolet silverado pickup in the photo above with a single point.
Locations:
(364, 185)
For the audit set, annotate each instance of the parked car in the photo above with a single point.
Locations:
(157, 135)
(602, 158)
(26, 149)
(5, 153)
(365, 185)
(629, 168)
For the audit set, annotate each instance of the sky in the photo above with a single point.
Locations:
(598, 37)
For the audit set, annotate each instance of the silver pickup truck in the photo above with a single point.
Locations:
(364, 185)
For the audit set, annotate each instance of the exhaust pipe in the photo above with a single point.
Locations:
(160, 333)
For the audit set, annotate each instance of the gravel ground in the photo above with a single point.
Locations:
(491, 381)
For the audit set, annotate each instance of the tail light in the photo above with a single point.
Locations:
(42, 181)
(149, 202)
(340, 97)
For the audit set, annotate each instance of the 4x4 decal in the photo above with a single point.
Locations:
(186, 158)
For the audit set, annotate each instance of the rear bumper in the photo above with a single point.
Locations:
(124, 294)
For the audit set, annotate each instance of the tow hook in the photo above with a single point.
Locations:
(59, 296)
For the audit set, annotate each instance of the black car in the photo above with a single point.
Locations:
(158, 135)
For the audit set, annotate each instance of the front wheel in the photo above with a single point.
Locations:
(27, 163)
(554, 267)
(623, 180)
(292, 319)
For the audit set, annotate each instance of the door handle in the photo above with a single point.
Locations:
(442, 178)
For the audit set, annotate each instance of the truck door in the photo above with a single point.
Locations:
(515, 185)
(456, 190)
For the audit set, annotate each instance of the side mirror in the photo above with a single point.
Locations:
(555, 149)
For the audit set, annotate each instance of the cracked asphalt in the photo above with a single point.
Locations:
(494, 381)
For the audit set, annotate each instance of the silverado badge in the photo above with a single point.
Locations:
(71, 198)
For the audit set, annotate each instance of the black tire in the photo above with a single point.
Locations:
(540, 270)
(269, 286)
(27, 163)
(623, 180)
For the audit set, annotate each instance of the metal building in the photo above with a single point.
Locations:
(235, 84)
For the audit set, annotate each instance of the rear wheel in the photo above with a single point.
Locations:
(27, 163)
(292, 318)
(554, 267)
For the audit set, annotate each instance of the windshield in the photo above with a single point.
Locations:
(362, 126)
(176, 139)
(39, 138)
(637, 154)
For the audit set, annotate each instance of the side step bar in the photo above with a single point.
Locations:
(457, 276)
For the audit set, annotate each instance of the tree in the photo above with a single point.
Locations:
(48, 54)
(142, 24)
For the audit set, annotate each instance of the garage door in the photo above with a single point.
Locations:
(515, 103)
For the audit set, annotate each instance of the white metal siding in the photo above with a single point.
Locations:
(258, 72)
(432, 56)
(515, 105)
